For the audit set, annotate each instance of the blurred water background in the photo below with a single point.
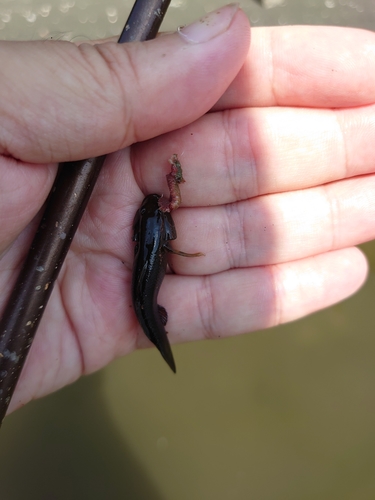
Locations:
(286, 413)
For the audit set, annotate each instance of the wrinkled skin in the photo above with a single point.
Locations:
(280, 181)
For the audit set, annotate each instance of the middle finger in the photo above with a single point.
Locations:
(238, 154)
(276, 228)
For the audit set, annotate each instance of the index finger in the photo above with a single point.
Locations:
(310, 66)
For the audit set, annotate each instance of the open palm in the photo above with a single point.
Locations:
(278, 181)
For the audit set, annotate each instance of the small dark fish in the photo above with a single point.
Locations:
(152, 231)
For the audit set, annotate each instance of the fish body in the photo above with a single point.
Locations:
(152, 231)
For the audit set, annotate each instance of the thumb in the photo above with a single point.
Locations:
(66, 102)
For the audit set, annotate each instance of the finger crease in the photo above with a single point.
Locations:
(72, 328)
(345, 162)
(229, 155)
(234, 235)
(334, 209)
(278, 290)
(206, 307)
(272, 66)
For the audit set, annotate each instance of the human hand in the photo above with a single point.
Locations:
(255, 201)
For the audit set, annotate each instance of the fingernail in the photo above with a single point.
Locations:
(213, 24)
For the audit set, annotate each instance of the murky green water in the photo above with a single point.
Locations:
(283, 414)
(80, 19)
